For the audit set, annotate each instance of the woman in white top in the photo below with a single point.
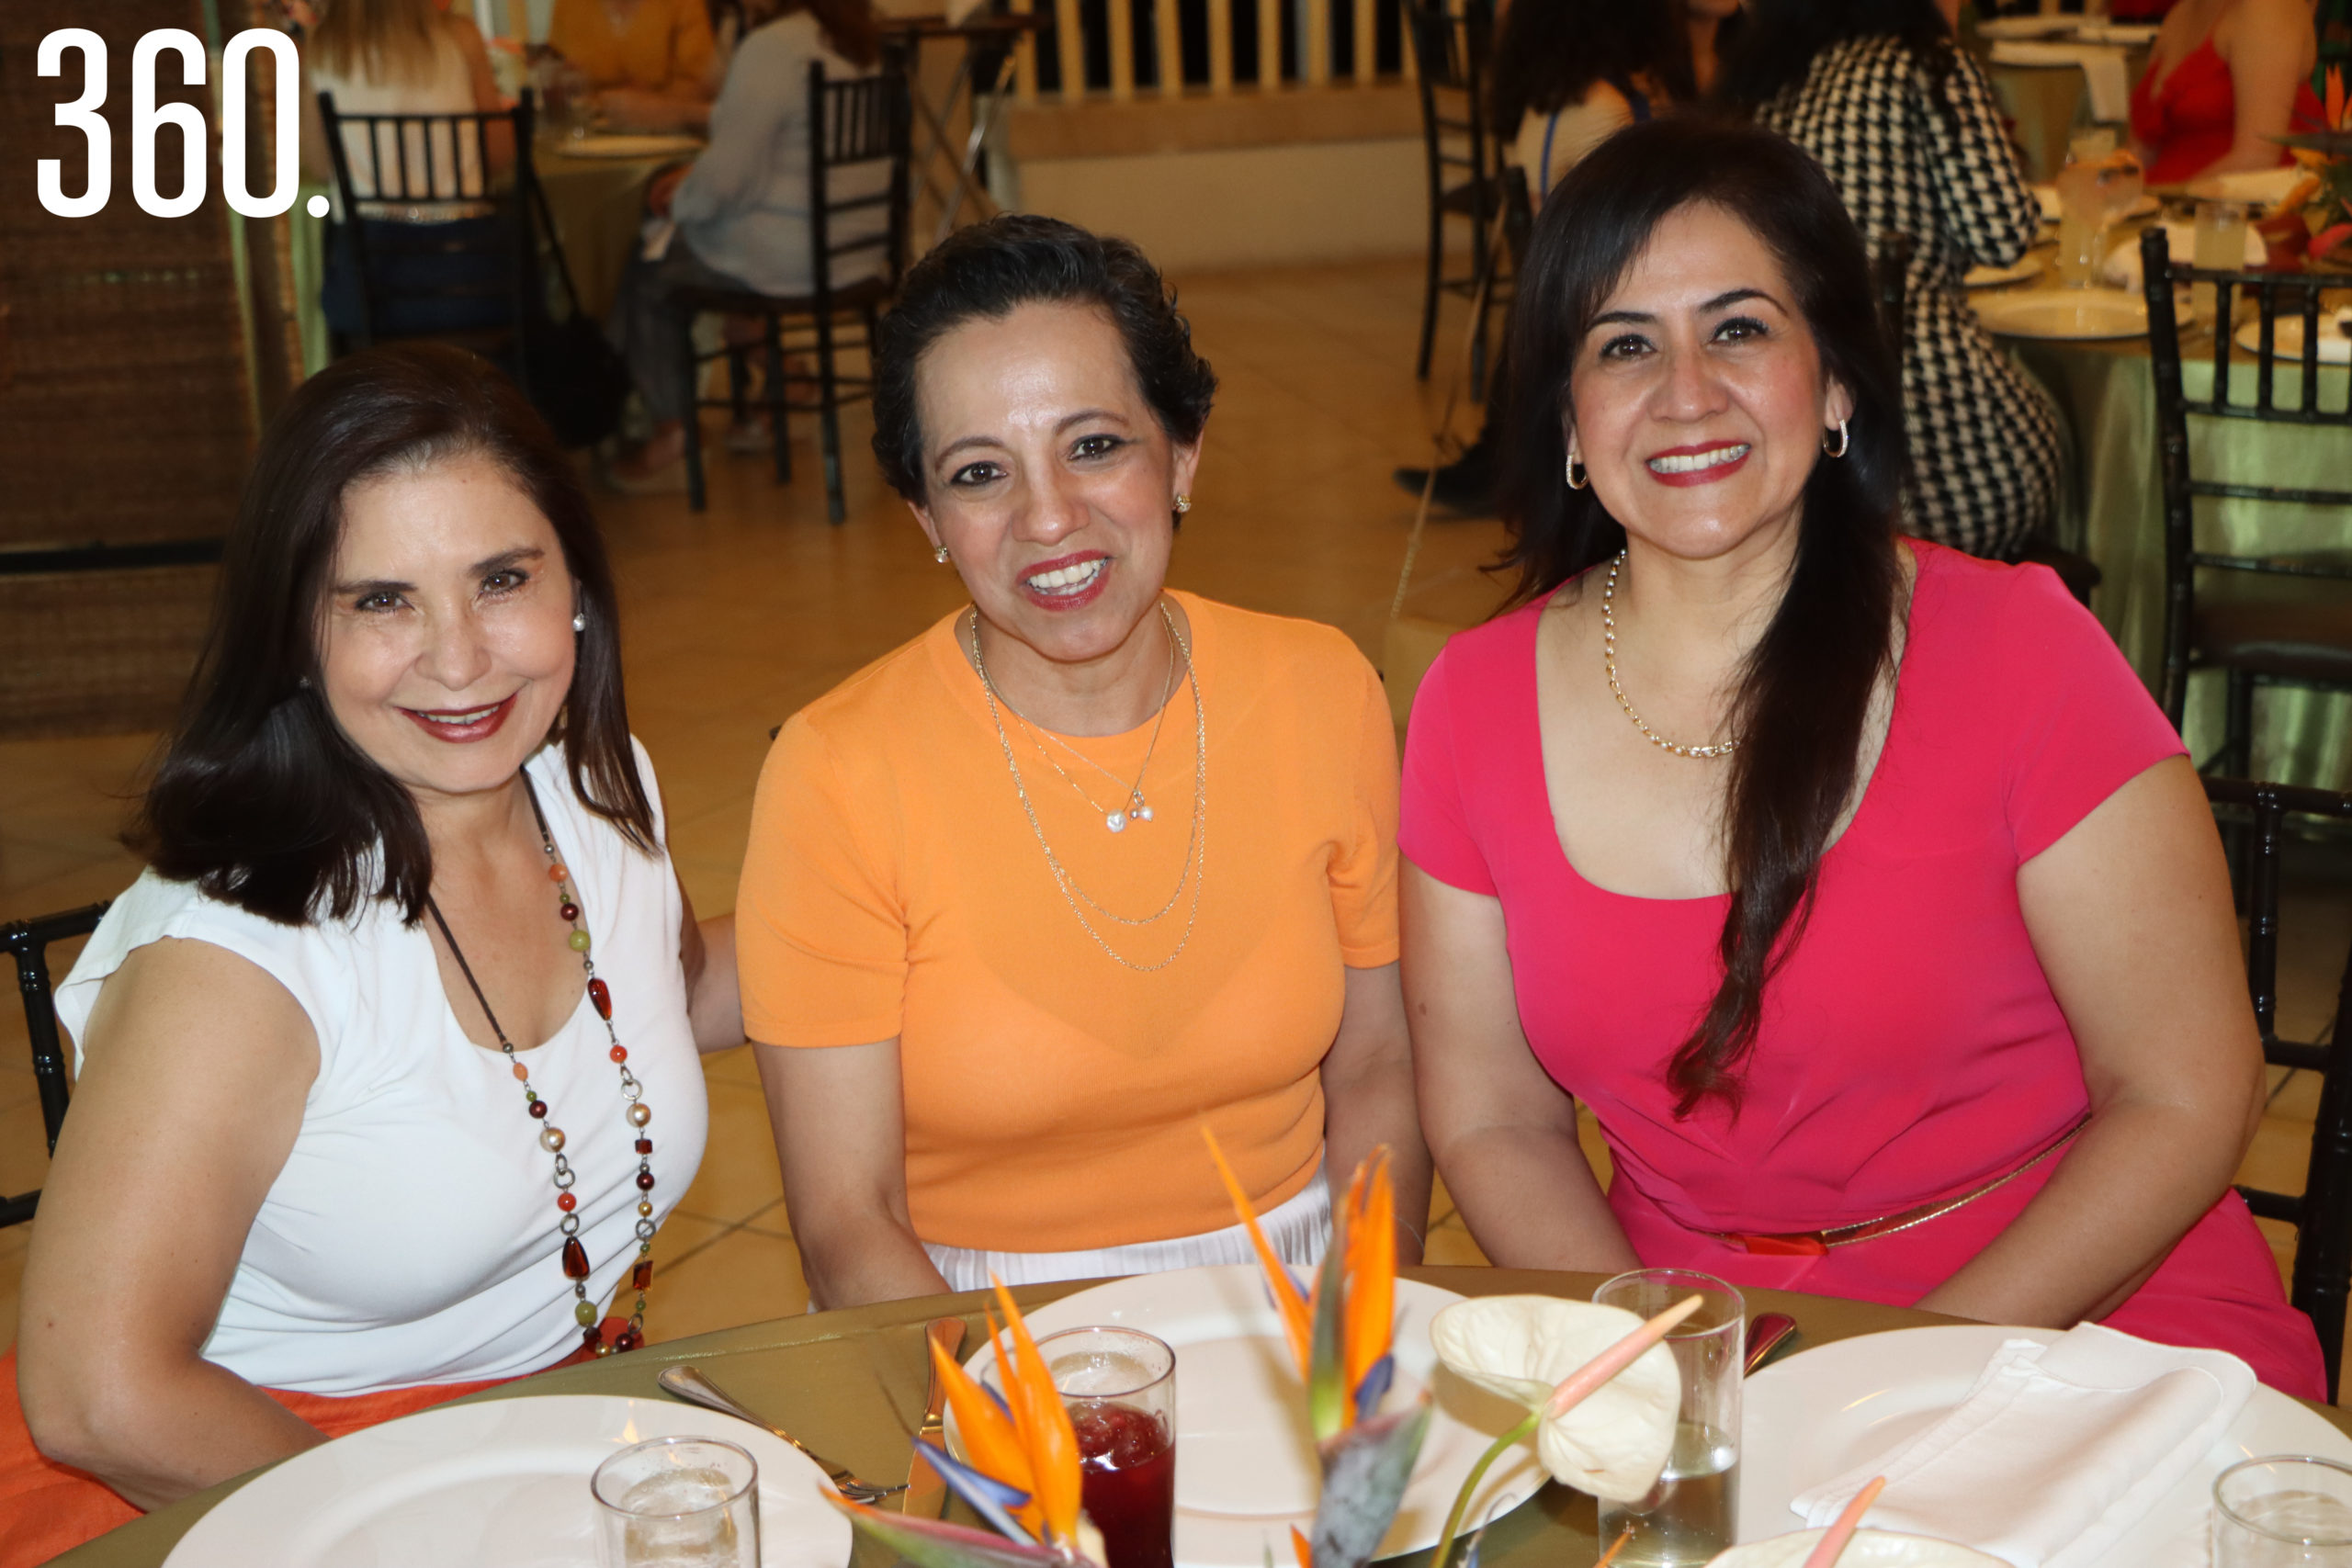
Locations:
(387, 1061)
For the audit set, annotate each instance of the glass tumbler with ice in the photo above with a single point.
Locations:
(1119, 1385)
(1688, 1518)
(678, 1503)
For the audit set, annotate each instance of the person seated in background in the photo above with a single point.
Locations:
(1089, 865)
(2224, 78)
(742, 211)
(385, 57)
(651, 65)
(1906, 125)
(1856, 885)
(409, 948)
(1567, 73)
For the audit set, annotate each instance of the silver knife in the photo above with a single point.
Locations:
(926, 1494)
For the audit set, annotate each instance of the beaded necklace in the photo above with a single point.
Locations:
(575, 1256)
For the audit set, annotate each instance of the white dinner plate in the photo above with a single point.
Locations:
(1246, 1470)
(2063, 313)
(2287, 338)
(1825, 1411)
(619, 146)
(499, 1484)
(2030, 265)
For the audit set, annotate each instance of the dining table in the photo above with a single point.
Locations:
(851, 1385)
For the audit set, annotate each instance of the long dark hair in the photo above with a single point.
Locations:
(1777, 46)
(260, 798)
(1805, 693)
(1550, 52)
(984, 273)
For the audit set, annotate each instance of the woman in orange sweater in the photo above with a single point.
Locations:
(1088, 865)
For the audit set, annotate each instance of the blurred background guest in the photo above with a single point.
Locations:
(2225, 77)
(1568, 73)
(1907, 128)
(1085, 867)
(408, 882)
(384, 57)
(650, 64)
(741, 209)
(1857, 886)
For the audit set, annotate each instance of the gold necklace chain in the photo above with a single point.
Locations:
(1136, 809)
(1195, 868)
(1608, 662)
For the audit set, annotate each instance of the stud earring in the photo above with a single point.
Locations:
(940, 555)
(1843, 442)
(580, 622)
(1183, 504)
(1578, 476)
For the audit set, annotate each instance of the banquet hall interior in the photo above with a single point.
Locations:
(1343, 230)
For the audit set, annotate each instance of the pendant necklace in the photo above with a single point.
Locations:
(636, 1112)
(1137, 808)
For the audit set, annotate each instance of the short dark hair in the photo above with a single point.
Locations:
(1805, 693)
(1548, 54)
(260, 798)
(986, 272)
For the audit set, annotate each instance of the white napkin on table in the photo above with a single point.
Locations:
(2057, 1450)
(2102, 67)
(2122, 269)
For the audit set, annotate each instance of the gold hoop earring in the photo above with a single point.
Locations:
(1578, 475)
(1843, 441)
(940, 555)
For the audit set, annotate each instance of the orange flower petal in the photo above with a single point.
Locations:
(1043, 1424)
(1302, 1549)
(990, 1441)
(1370, 1308)
(1299, 1319)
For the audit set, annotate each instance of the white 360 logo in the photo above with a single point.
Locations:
(147, 117)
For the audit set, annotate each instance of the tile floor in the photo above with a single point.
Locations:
(737, 618)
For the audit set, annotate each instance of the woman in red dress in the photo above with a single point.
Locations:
(1856, 885)
(2224, 79)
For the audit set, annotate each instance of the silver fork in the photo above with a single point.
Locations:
(686, 1383)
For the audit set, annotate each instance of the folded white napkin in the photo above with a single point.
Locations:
(2122, 269)
(2056, 1451)
(2102, 67)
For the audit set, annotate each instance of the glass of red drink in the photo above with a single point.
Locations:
(1119, 1385)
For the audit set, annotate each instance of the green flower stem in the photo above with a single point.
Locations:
(1470, 1484)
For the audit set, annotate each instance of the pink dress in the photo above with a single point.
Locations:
(1911, 1048)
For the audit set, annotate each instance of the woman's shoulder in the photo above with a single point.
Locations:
(2002, 627)
(1284, 647)
(893, 697)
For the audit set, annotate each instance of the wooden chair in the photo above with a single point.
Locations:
(861, 122)
(440, 249)
(2267, 619)
(1450, 50)
(28, 941)
(2322, 1214)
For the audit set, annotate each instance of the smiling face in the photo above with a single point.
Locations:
(445, 645)
(1698, 399)
(1048, 478)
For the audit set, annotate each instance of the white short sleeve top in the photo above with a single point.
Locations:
(411, 1236)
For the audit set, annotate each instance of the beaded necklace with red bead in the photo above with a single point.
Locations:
(575, 1256)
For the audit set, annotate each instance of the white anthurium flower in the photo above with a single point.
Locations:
(1869, 1549)
(1613, 1442)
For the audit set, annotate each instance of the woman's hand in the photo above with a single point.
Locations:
(839, 1118)
(2132, 917)
(1503, 1134)
(1368, 1101)
(196, 1067)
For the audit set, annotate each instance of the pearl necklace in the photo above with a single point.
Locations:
(1608, 662)
(636, 1114)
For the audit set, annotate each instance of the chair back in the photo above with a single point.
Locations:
(861, 122)
(432, 234)
(28, 942)
(2281, 301)
(1451, 49)
(2322, 1214)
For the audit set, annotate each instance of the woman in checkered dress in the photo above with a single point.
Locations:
(1906, 124)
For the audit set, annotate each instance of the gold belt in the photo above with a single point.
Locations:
(1811, 1243)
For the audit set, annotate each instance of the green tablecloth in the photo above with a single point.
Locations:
(850, 1384)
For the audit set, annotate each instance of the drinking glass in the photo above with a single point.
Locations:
(1688, 1518)
(2284, 1512)
(2220, 235)
(1119, 1385)
(2082, 220)
(678, 1503)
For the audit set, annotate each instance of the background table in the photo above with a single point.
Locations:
(850, 1383)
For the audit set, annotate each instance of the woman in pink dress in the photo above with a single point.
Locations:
(1847, 879)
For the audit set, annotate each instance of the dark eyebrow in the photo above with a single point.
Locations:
(505, 558)
(1722, 302)
(498, 562)
(1080, 417)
